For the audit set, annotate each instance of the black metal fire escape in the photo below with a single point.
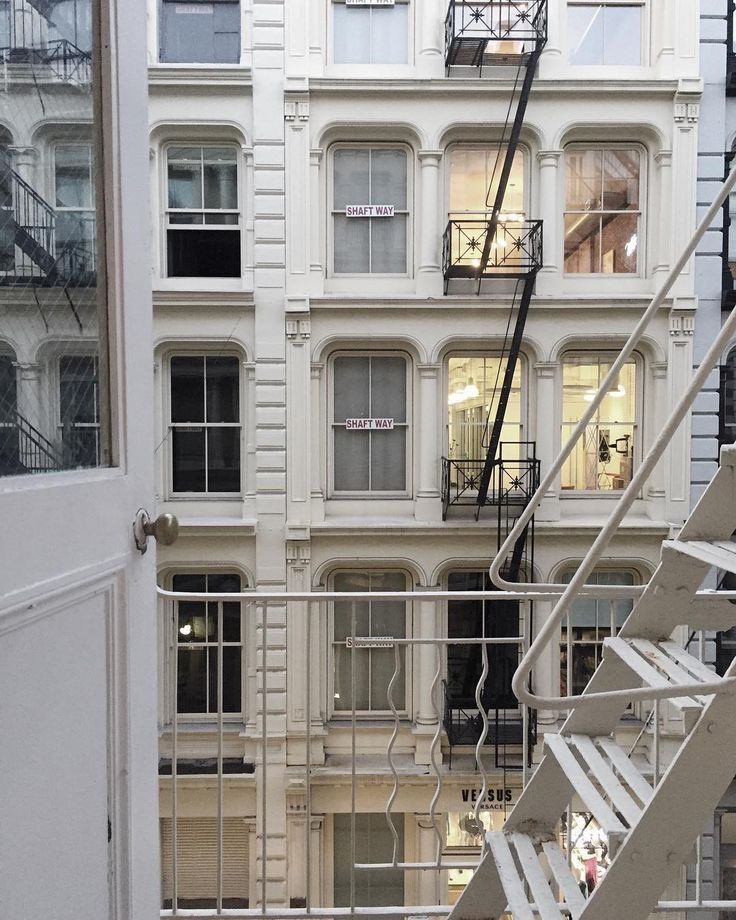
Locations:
(499, 33)
(29, 46)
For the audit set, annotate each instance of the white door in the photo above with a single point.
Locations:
(78, 807)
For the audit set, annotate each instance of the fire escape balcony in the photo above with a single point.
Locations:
(514, 479)
(515, 250)
(494, 32)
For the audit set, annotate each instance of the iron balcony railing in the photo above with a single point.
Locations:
(514, 478)
(515, 252)
(515, 27)
(24, 449)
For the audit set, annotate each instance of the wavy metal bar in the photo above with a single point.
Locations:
(433, 753)
(390, 751)
(484, 733)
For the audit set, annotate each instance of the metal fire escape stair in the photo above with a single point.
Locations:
(651, 829)
(31, 221)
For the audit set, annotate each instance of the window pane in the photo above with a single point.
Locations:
(351, 34)
(185, 184)
(192, 680)
(388, 178)
(188, 460)
(620, 180)
(226, 39)
(351, 178)
(388, 460)
(585, 34)
(374, 843)
(221, 185)
(223, 397)
(73, 179)
(390, 34)
(78, 390)
(584, 179)
(345, 611)
(474, 177)
(187, 389)
(388, 244)
(223, 459)
(622, 35)
(351, 460)
(351, 397)
(383, 666)
(200, 32)
(231, 688)
(583, 243)
(352, 246)
(619, 243)
(203, 253)
(388, 388)
(343, 678)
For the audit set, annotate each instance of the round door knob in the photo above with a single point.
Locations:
(165, 529)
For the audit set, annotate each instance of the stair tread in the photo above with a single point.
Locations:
(607, 778)
(649, 674)
(557, 862)
(688, 661)
(538, 885)
(583, 785)
(634, 780)
(509, 876)
(657, 654)
(718, 553)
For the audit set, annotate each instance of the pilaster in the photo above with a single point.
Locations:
(680, 362)
(548, 423)
(429, 280)
(426, 658)
(298, 423)
(428, 507)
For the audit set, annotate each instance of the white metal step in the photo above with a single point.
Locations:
(598, 777)
(657, 667)
(520, 866)
(721, 554)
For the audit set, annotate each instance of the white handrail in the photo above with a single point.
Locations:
(548, 630)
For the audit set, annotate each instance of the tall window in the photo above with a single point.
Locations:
(370, 210)
(602, 459)
(205, 423)
(370, 34)
(603, 210)
(471, 619)
(203, 217)
(373, 666)
(200, 31)
(197, 635)
(727, 407)
(374, 843)
(474, 176)
(474, 386)
(75, 204)
(369, 424)
(79, 412)
(605, 32)
(589, 623)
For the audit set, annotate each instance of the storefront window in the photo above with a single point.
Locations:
(374, 843)
(602, 460)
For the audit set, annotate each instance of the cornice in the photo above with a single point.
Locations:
(201, 76)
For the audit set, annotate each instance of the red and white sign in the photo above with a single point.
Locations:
(369, 424)
(369, 210)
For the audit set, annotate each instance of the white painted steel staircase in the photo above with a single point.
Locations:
(651, 830)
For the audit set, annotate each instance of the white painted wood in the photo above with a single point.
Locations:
(593, 800)
(561, 871)
(626, 769)
(512, 883)
(541, 892)
(607, 778)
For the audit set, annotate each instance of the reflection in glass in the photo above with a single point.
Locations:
(604, 33)
(53, 362)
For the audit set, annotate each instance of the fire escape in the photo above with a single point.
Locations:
(496, 252)
(31, 39)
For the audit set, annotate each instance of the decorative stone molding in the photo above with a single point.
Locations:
(687, 112)
(298, 329)
(682, 324)
(296, 110)
(298, 552)
(548, 157)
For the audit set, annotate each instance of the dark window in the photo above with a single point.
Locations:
(727, 419)
(200, 32)
(203, 218)
(474, 620)
(197, 635)
(374, 843)
(9, 456)
(205, 424)
(79, 410)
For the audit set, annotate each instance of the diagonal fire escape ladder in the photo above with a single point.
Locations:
(524, 868)
(651, 828)
(31, 221)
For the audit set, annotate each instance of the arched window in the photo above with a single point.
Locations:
(727, 394)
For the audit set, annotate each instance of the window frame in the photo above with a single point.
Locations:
(409, 45)
(637, 425)
(88, 211)
(95, 426)
(161, 35)
(569, 569)
(643, 5)
(194, 352)
(367, 495)
(171, 648)
(343, 715)
(409, 210)
(524, 391)
(166, 225)
(603, 146)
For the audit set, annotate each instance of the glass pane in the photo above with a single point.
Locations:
(619, 243)
(390, 34)
(474, 177)
(388, 244)
(221, 185)
(620, 180)
(374, 843)
(192, 680)
(351, 168)
(187, 389)
(351, 457)
(351, 396)
(185, 184)
(388, 388)
(232, 688)
(622, 41)
(203, 253)
(388, 460)
(383, 667)
(351, 34)
(223, 397)
(344, 611)
(585, 33)
(223, 459)
(188, 461)
(388, 618)
(584, 179)
(388, 178)
(343, 678)
(54, 417)
(187, 33)
(583, 243)
(352, 245)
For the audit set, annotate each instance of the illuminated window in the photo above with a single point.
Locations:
(474, 387)
(370, 34)
(589, 623)
(602, 210)
(602, 459)
(605, 33)
(374, 666)
(474, 175)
